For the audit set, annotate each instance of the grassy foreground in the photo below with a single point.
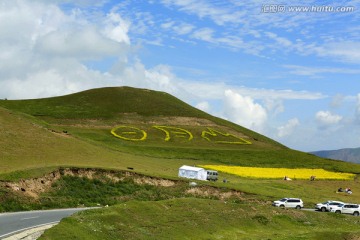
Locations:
(41, 135)
(202, 219)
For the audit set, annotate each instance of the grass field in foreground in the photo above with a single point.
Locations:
(202, 219)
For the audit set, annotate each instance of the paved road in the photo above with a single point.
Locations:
(11, 223)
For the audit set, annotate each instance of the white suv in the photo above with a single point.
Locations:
(289, 203)
(325, 206)
(348, 208)
(333, 204)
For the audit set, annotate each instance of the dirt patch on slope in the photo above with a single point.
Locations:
(135, 119)
(205, 191)
(154, 181)
(34, 187)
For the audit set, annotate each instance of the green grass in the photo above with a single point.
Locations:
(201, 219)
(88, 117)
(72, 191)
(41, 135)
(114, 104)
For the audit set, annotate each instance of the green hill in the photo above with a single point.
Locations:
(158, 129)
(146, 136)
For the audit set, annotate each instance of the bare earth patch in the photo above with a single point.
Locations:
(34, 187)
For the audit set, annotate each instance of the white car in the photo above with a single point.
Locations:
(289, 203)
(333, 204)
(325, 206)
(347, 208)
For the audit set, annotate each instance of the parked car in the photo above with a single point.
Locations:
(211, 175)
(333, 204)
(289, 203)
(347, 208)
(325, 206)
(337, 208)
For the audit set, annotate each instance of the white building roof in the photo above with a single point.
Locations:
(185, 167)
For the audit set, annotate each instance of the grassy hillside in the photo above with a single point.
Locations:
(174, 134)
(153, 133)
(30, 148)
(116, 104)
(202, 219)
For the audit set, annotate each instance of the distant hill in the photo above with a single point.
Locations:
(345, 154)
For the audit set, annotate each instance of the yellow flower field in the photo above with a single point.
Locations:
(279, 173)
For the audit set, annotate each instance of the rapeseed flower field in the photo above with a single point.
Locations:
(279, 173)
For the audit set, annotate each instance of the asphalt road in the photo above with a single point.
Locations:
(11, 223)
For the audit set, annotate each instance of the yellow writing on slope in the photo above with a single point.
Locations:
(129, 133)
(180, 132)
(219, 137)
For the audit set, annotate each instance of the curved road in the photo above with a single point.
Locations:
(12, 223)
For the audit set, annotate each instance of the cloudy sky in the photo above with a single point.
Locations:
(289, 70)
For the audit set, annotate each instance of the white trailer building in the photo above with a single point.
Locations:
(192, 172)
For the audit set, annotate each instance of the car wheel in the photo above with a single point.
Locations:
(337, 211)
(356, 214)
(282, 206)
(298, 207)
(323, 209)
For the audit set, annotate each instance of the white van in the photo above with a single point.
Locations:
(212, 175)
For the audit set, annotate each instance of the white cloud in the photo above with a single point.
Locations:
(86, 44)
(204, 106)
(347, 51)
(202, 9)
(183, 28)
(44, 48)
(274, 106)
(314, 71)
(83, 3)
(244, 111)
(205, 34)
(288, 128)
(326, 119)
(337, 100)
(167, 25)
(117, 28)
(281, 40)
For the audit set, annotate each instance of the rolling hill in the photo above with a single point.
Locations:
(117, 144)
(120, 127)
(345, 154)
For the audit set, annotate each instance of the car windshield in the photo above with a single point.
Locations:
(325, 202)
(340, 205)
(283, 200)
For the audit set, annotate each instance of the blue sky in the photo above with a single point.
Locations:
(289, 70)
